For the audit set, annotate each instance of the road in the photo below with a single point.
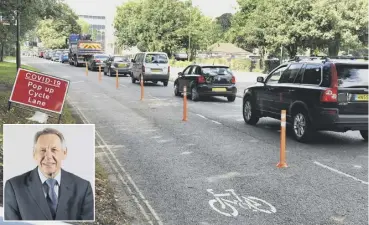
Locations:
(167, 165)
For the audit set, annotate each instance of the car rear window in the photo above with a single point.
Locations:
(156, 58)
(352, 75)
(216, 70)
(101, 57)
(120, 59)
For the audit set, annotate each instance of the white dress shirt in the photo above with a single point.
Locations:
(43, 179)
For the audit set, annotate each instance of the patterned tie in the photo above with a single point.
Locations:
(51, 197)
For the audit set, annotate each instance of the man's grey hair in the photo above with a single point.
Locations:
(50, 131)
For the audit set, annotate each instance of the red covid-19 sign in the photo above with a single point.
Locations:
(39, 90)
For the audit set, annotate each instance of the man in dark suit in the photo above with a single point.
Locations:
(48, 192)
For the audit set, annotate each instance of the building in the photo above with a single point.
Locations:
(97, 27)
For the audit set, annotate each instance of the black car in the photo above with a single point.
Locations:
(206, 80)
(327, 94)
(122, 64)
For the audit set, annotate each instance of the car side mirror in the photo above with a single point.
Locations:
(260, 80)
(180, 74)
(132, 60)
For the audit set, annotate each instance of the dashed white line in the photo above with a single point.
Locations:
(215, 122)
(201, 116)
(339, 172)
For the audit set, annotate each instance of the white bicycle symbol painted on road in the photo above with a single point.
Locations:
(227, 207)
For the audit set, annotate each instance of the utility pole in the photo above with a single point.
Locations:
(189, 37)
(18, 57)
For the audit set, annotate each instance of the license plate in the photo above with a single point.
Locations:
(361, 97)
(219, 89)
(122, 65)
(156, 70)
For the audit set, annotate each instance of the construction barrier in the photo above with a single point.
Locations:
(100, 73)
(282, 160)
(184, 103)
(86, 69)
(116, 79)
(142, 87)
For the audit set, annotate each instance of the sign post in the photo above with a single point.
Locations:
(40, 91)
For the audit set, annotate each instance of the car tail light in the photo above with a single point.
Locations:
(168, 69)
(201, 79)
(233, 80)
(143, 69)
(330, 94)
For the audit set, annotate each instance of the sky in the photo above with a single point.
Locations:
(94, 7)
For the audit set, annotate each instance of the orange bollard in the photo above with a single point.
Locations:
(184, 103)
(142, 87)
(100, 73)
(282, 161)
(86, 69)
(116, 79)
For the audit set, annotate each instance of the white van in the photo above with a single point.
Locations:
(153, 66)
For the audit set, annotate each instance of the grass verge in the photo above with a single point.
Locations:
(106, 207)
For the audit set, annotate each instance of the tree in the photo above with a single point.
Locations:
(225, 21)
(53, 32)
(85, 27)
(162, 25)
(31, 11)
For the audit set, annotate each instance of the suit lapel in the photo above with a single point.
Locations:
(36, 191)
(65, 194)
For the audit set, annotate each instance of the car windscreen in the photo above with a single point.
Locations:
(156, 58)
(216, 70)
(101, 57)
(352, 75)
(121, 59)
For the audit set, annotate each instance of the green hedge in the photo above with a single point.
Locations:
(235, 64)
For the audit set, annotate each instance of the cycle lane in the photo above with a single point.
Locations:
(175, 169)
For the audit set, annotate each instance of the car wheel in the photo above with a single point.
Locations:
(301, 127)
(133, 80)
(176, 90)
(165, 83)
(249, 113)
(110, 73)
(231, 98)
(194, 94)
(364, 134)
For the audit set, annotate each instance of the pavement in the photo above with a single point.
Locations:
(162, 167)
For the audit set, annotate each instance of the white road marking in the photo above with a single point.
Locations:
(201, 116)
(223, 176)
(155, 137)
(339, 172)
(163, 141)
(215, 122)
(110, 146)
(126, 173)
(358, 166)
(229, 116)
(239, 120)
(186, 153)
(76, 82)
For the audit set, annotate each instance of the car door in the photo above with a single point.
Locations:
(135, 66)
(183, 78)
(108, 64)
(267, 95)
(286, 88)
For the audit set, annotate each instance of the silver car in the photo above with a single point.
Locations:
(152, 66)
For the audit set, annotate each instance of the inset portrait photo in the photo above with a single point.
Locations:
(49, 172)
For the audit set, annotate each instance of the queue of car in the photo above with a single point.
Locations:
(317, 93)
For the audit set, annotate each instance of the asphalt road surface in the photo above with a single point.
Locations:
(168, 165)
